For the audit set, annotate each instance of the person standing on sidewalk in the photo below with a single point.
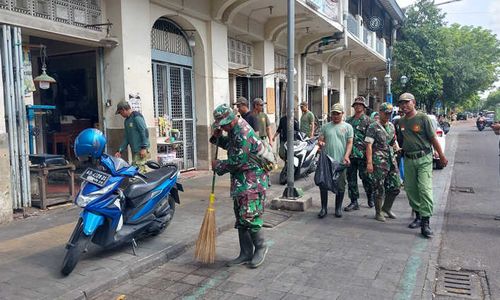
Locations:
(282, 131)
(306, 121)
(359, 122)
(381, 165)
(242, 106)
(249, 182)
(419, 138)
(136, 135)
(336, 139)
(263, 123)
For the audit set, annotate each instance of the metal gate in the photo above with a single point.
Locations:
(173, 97)
(15, 113)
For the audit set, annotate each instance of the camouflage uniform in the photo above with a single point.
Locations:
(358, 161)
(385, 177)
(249, 182)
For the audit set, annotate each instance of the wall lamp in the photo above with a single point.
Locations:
(108, 41)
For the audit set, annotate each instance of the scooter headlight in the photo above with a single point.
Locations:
(83, 200)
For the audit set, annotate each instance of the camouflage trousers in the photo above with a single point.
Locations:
(357, 165)
(248, 210)
(140, 162)
(385, 181)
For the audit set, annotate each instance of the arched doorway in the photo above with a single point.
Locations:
(174, 105)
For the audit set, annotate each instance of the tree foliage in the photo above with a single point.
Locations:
(492, 100)
(450, 63)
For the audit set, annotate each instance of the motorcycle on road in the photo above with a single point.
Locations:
(305, 157)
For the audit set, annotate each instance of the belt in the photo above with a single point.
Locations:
(418, 154)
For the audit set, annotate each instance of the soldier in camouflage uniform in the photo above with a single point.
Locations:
(249, 182)
(384, 177)
(359, 122)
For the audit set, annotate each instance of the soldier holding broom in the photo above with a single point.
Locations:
(249, 182)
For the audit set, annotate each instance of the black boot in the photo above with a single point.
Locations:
(371, 200)
(352, 206)
(417, 222)
(324, 204)
(425, 228)
(339, 198)
(246, 248)
(260, 249)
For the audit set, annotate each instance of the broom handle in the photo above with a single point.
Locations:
(213, 176)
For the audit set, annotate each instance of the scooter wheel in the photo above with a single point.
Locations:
(74, 252)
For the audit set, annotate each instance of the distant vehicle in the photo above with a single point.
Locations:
(441, 137)
(462, 116)
(489, 117)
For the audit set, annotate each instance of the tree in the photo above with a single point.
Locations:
(448, 63)
(492, 100)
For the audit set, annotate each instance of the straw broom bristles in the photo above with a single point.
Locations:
(205, 245)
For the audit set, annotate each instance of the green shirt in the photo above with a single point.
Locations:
(360, 126)
(262, 123)
(336, 137)
(417, 133)
(136, 133)
(306, 122)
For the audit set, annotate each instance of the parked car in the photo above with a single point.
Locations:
(490, 118)
(462, 116)
(441, 137)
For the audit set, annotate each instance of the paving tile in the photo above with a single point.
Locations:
(181, 288)
(193, 279)
(230, 286)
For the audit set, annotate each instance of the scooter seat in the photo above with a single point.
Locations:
(153, 179)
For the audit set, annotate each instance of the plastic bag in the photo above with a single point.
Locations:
(327, 172)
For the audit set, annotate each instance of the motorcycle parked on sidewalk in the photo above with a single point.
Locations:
(120, 205)
(304, 158)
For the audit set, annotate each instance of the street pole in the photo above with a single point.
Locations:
(290, 191)
(388, 81)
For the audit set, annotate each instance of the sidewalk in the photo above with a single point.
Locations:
(31, 250)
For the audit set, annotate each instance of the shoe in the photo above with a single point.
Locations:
(417, 222)
(378, 209)
(379, 217)
(246, 249)
(260, 249)
(371, 200)
(386, 208)
(352, 206)
(324, 206)
(389, 214)
(425, 228)
(339, 198)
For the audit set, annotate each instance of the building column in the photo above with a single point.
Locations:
(324, 91)
(339, 83)
(264, 61)
(127, 68)
(5, 195)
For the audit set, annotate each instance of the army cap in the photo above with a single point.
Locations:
(258, 101)
(386, 107)
(337, 107)
(122, 105)
(223, 115)
(406, 97)
(241, 100)
(360, 100)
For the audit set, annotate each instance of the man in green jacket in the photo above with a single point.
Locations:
(136, 135)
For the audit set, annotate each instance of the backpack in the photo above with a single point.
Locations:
(265, 157)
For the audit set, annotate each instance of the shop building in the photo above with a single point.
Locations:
(175, 60)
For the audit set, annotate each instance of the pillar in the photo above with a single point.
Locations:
(5, 195)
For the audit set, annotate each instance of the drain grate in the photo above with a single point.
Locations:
(463, 189)
(273, 218)
(460, 284)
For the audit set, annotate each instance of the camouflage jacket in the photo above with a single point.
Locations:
(382, 138)
(241, 144)
(360, 127)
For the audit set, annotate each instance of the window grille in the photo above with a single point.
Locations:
(240, 53)
(78, 13)
(167, 37)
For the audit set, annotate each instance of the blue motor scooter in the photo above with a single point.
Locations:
(120, 205)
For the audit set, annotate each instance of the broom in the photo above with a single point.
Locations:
(205, 245)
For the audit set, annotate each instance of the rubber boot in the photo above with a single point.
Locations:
(389, 200)
(371, 200)
(246, 248)
(417, 222)
(324, 204)
(260, 249)
(378, 209)
(425, 228)
(339, 198)
(354, 205)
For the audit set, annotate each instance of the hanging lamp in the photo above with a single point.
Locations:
(43, 79)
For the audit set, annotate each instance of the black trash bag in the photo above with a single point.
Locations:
(327, 172)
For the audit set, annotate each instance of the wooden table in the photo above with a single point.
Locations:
(41, 173)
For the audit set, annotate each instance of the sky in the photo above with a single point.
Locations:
(483, 13)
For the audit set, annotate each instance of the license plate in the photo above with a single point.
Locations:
(96, 177)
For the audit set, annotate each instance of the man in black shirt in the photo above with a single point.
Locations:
(282, 131)
(242, 105)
